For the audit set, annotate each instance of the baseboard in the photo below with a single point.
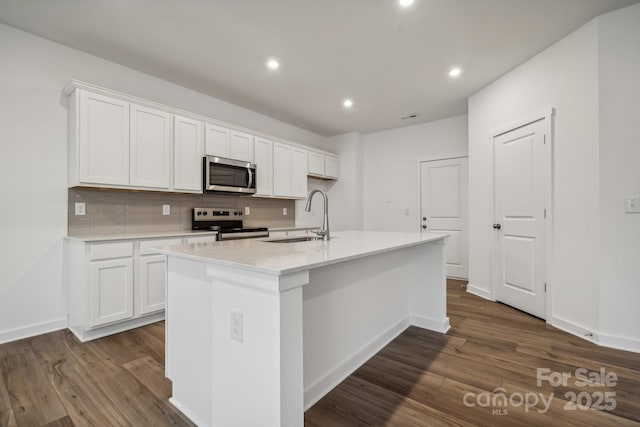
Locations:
(185, 412)
(479, 292)
(32, 330)
(436, 325)
(574, 329)
(116, 328)
(619, 343)
(317, 390)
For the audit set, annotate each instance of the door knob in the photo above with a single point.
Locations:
(497, 226)
(424, 226)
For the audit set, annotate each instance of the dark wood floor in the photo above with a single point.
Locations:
(420, 379)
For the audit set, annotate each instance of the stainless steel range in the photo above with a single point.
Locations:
(227, 222)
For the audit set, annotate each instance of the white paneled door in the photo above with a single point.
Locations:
(521, 179)
(443, 205)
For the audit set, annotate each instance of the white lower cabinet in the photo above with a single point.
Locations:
(110, 291)
(115, 286)
(152, 281)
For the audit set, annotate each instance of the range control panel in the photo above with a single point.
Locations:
(216, 214)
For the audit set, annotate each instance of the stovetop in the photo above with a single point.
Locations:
(224, 221)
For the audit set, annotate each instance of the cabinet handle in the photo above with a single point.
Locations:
(497, 226)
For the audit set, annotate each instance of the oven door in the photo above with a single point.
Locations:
(229, 176)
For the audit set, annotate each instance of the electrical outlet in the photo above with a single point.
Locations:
(632, 205)
(247, 210)
(284, 211)
(81, 208)
(236, 332)
(166, 209)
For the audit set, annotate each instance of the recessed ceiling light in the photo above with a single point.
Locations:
(455, 72)
(347, 103)
(273, 64)
(405, 3)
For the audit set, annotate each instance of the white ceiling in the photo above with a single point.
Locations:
(391, 61)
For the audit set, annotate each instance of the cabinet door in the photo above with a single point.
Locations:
(316, 164)
(331, 167)
(103, 140)
(110, 291)
(187, 154)
(281, 170)
(216, 141)
(241, 146)
(263, 152)
(152, 281)
(150, 148)
(299, 171)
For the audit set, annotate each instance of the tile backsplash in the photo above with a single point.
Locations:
(125, 211)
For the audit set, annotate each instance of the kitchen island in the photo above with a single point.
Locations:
(259, 331)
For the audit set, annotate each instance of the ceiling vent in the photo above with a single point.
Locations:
(410, 116)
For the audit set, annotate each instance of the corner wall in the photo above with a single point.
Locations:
(390, 169)
(564, 76)
(33, 165)
(619, 84)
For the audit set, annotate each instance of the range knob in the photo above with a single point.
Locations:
(204, 213)
(199, 213)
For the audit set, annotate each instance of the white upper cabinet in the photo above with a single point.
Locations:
(150, 148)
(299, 171)
(316, 164)
(228, 143)
(331, 167)
(323, 165)
(263, 158)
(187, 154)
(99, 140)
(216, 141)
(290, 168)
(281, 170)
(241, 146)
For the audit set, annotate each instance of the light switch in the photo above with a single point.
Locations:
(632, 205)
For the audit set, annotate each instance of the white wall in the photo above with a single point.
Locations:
(619, 83)
(563, 76)
(33, 164)
(390, 169)
(345, 194)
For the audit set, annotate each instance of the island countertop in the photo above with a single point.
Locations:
(263, 256)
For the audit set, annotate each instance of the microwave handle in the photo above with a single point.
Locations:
(250, 177)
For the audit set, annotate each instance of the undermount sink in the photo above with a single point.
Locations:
(295, 239)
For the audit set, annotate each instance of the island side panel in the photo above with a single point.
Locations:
(426, 271)
(351, 310)
(189, 338)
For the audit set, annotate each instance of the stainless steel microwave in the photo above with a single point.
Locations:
(228, 176)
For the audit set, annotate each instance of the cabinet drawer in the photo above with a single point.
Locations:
(147, 247)
(110, 250)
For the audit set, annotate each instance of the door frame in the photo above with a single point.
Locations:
(419, 198)
(548, 115)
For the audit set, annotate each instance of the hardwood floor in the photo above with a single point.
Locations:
(420, 379)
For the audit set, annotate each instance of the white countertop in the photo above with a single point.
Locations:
(284, 258)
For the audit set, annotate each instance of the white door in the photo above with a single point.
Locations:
(263, 154)
(443, 199)
(520, 182)
(299, 171)
(241, 146)
(216, 141)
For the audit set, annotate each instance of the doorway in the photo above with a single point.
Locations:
(443, 208)
(522, 195)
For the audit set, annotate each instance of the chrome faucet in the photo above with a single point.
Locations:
(324, 231)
